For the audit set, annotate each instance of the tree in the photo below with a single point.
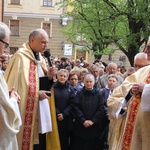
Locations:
(99, 23)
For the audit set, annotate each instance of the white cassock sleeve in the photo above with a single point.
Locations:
(122, 104)
(145, 100)
(14, 104)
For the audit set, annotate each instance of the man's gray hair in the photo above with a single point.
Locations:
(95, 67)
(84, 70)
(36, 33)
(140, 55)
(112, 63)
(4, 30)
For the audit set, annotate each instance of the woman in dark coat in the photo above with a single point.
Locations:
(64, 94)
(89, 110)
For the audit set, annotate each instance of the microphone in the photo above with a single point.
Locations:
(47, 54)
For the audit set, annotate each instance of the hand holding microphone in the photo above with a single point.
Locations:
(52, 70)
(47, 54)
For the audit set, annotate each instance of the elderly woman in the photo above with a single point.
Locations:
(63, 94)
(89, 111)
(10, 122)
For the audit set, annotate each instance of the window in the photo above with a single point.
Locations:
(48, 28)
(47, 2)
(14, 27)
(15, 2)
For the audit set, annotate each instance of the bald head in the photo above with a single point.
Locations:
(140, 60)
(38, 40)
(37, 33)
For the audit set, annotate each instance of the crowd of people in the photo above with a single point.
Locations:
(72, 104)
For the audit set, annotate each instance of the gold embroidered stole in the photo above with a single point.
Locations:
(30, 108)
(134, 106)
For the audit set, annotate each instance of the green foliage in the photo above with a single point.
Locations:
(99, 23)
(106, 51)
(83, 49)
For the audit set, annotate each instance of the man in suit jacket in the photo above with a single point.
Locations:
(111, 69)
(96, 73)
(112, 83)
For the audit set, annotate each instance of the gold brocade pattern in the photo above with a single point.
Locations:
(134, 106)
(130, 123)
(29, 108)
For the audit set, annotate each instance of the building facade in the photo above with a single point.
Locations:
(23, 16)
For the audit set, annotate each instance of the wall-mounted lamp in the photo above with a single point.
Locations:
(46, 19)
(14, 17)
(64, 21)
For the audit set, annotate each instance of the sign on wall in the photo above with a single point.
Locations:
(67, 49)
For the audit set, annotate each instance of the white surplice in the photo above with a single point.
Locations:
(45, 123)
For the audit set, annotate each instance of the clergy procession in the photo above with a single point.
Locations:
(55, 103)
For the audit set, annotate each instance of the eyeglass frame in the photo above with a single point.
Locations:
(6, 44)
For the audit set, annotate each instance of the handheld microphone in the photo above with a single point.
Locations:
(47, 54)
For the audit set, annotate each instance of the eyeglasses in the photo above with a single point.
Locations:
(6, 44)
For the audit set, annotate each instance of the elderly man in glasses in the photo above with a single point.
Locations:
(10, 119)
(140, 60)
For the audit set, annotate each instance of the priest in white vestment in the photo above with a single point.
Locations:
(130, 130)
